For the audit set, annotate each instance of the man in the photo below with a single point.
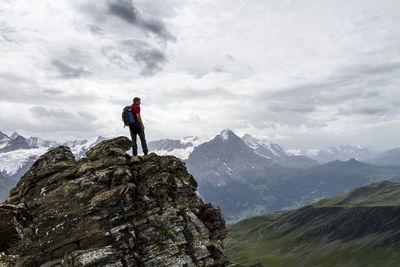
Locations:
(137, 128)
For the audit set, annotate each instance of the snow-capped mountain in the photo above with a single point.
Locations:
(80, 147)
(222, 159)
(263, 147)
(14, 135)
(343, 153)
(17, 153)
(226, 150)
(37, 142)
(5, 185)
(14, 144)
(3, 140)
(3, 137)
(273, 152)
(277, 154)
(178, 148)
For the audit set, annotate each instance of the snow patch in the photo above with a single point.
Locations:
(255, 143)
(11, 161)
(225, 134)
(182, 153)
(2, 145)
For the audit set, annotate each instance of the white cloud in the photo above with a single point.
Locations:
(311, 73)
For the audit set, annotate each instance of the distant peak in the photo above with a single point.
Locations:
(20, 138)
(353, 161)
(14, 135)
(3, 136)
(252, 141)
(226, 134)
(227, 130)
(248, 137)
(100, 139)
(188, 139)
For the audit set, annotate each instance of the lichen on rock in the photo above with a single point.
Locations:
(109, 210)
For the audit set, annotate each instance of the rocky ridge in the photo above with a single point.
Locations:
(109, 209)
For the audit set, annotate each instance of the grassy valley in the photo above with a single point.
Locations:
(276, 188)
(359, 228)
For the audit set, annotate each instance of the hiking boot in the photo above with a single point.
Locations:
(135, 159)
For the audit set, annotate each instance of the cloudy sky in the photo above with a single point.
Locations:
(304, 73)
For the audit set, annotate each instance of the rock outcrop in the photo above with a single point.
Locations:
(109, 210)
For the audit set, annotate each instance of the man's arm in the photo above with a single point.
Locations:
(139, 119)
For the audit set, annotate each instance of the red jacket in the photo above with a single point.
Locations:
(135, 111)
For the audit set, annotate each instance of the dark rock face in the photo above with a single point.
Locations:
(109, 210)
(12, 220)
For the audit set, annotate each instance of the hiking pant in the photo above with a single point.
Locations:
(136, 128)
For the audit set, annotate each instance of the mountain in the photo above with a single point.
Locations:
(359, 228)
(14, 135)
(233, 176)
(244, 176)
(388, 158)
(174, 147)
(5, 186)
(327, 180)
(109, 209)
(80, 147)
(3, 139)
(37, 142)
(222, 159)
(12, 161)
(343, 153)
(24, 167)
(273, 152)
(15, 144)
(382, 193)
(277, 154)
(17, 153)
(272, 188)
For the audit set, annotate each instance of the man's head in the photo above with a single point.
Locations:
(136, 101)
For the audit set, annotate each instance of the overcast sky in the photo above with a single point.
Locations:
(307, 73)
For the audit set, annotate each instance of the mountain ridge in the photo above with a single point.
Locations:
(323, 234)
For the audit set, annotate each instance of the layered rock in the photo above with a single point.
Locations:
(109, 210)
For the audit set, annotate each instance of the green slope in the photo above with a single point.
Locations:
(360, 228)
(383, 193)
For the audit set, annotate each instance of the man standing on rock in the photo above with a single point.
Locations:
(137, 128)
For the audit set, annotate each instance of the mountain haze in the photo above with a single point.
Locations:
(271, 188)
(245, 176)
(388, 158)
